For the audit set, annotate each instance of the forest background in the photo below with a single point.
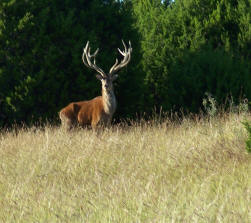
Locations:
(182, 52)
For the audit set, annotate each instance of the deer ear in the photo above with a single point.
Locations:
(99, 77)
(114, 77)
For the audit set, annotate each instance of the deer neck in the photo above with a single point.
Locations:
(109, 101)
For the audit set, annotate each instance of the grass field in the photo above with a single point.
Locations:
(187, 171)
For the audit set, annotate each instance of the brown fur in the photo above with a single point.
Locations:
(84, 113)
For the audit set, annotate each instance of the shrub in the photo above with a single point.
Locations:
(248, 142)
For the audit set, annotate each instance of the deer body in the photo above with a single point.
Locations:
(100, 109)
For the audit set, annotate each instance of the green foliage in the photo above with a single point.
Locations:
(210, 105)
(192, 47)
(247, 126)
(181, 50)
(41, 46)
(208, 70)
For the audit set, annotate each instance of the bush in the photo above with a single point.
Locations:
(248, 142)
(193, 47)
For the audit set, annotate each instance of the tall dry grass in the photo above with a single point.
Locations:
(193, 171)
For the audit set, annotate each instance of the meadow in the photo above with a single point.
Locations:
(187, 170)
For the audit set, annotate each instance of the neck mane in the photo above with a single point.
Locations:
(109, 101)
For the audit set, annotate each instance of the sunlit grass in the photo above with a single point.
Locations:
(192, 171)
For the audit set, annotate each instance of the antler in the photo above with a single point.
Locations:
(86, 57)
(127, 57)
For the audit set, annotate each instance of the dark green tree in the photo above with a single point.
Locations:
(192, 47)
(40, 55)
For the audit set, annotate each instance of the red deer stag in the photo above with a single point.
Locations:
(99, 110)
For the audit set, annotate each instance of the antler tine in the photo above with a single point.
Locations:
(84, 52)
(123, 52)
(116, 62)
(127, 57)
(86, 57)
